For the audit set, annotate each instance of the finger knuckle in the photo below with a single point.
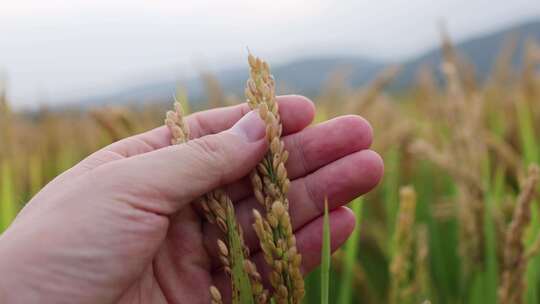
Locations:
(211, 151)
(107, 176)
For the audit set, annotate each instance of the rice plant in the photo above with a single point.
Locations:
(466, 230)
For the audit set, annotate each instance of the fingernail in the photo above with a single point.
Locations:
(250, 127)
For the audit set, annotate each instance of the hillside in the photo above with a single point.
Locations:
(306, 76)
(302, 76)
(481, 51)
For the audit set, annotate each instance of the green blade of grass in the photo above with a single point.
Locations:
(242, 292)
(325, 258)
(442, 237)
(526, 133)
(490, 277)
(391, 190)
(351, 250)
(313, 284)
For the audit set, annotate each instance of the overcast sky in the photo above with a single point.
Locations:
(52, 50)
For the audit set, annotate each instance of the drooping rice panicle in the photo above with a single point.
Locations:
(117, 122)
(515, 259)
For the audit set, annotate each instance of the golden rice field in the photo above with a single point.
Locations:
(455, 220)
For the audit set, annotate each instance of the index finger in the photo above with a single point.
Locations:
(296, 112)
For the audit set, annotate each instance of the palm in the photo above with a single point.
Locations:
(181, 270)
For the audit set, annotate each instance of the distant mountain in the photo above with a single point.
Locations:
(481, 51)
(307, 76)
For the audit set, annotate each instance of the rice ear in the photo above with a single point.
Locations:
(218, 208)
(271, 184)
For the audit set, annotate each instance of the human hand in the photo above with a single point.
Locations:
(120, 226)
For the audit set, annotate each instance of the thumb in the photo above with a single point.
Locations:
(167, 179)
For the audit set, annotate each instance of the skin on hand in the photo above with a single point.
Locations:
(120, 226)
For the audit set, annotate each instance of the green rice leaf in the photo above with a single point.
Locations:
(351, 250)
(531, 153)
(490, 276)
(242, 292)
(391, 190)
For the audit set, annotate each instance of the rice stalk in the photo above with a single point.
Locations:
(491, 231)
(452, 57)
(271, 185)
(506, 153)
(246, 282)
(515, 259)
(530, 148)
(369, 94)
(502, 68)
(391, 189)
(421, 264)
(530, 69)
(462, 157)
(401, 285)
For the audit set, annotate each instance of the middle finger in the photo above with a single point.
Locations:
(315, 147)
